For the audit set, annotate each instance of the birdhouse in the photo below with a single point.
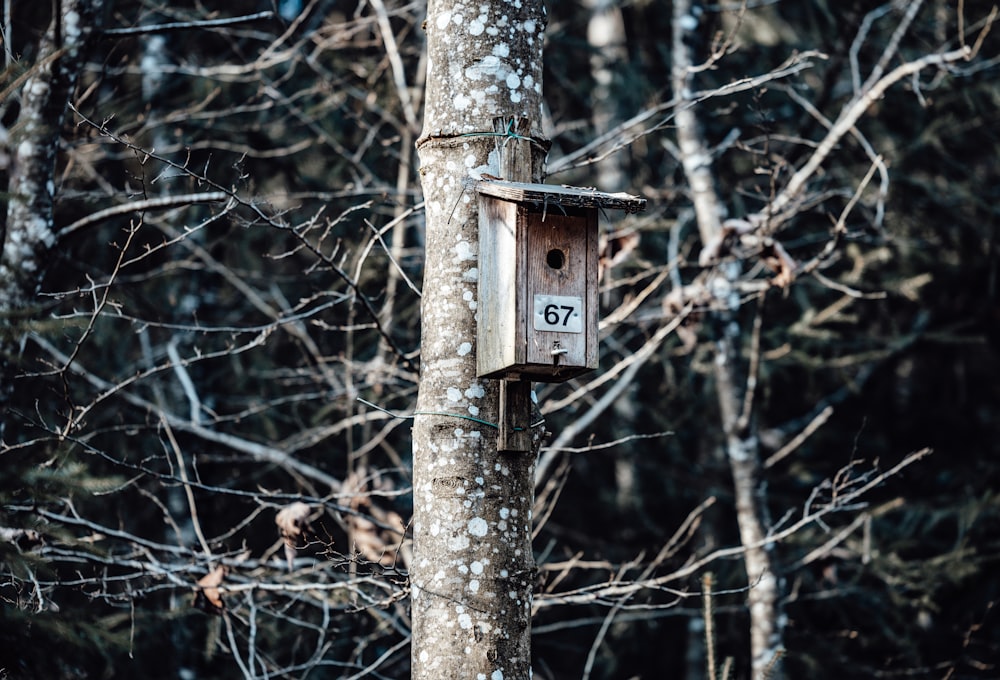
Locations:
(538, 270)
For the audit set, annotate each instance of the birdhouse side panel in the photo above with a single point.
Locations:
(499, 324)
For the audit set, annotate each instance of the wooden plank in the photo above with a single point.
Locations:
(556, 195)
(515, 152)
(515, 416)
(514, 421)
(498, 326)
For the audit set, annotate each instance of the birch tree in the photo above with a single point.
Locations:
(473, 569)
(29, 234)
(727, 246)
(129, 191)
(741, 442)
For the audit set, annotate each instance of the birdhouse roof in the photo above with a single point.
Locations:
(559, 194)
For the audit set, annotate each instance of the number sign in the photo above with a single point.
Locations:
(559, 313)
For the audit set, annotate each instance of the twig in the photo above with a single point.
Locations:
(642, 354)
(396, 62)
(388, 251)
(913, 6)
(709, 618)
(234, 648)
(794, 64)
(141, 206)
(99, 307)
(269, 220)
(823, 550)
(630, 365)
(800, 438)
(847, 290)
(877, 164)
(37, 66)
(370, 668)
(846, 121)
(182, 471)
(546, 500)
(178, 364)
(6, 32)
(624, 310)
(961, 22)
(587, 594)
(187, 25)
(875, 157)
(608, 445)
(859, 41)
(257, 451)
(683, 532)
(753, 370)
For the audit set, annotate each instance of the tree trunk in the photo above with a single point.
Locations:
(473, 566)
(28, 236)
(608, 54)
(741, 444)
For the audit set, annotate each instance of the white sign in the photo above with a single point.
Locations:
(560, 313)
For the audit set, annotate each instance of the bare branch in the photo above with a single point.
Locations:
(188, 25)
(158, 203)
(845, 123)
(603, 591)
(800, 438)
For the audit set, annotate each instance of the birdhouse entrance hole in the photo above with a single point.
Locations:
(555, 258)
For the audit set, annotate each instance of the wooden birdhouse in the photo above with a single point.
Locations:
(538, 270)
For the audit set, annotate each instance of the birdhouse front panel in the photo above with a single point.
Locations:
(561, 298)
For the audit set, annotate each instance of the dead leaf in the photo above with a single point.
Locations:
(374, 543)
(208, 597)
(365, 538)
(293, 525)
(614, 248)
(722, 243)
(777, 259)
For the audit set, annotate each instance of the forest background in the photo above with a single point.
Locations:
(223, 325)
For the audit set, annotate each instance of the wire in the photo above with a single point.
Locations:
(429, 413)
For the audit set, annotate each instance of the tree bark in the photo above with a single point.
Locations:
(473, 566)
(28, 236)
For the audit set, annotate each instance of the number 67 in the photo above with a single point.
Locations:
(551, 313)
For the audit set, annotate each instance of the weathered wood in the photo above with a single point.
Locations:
(537, 240)
(554, 195)
(515, 395)
(513, 144)
(515, 417)
(528, 257)
(573, 240)
(499, 278)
